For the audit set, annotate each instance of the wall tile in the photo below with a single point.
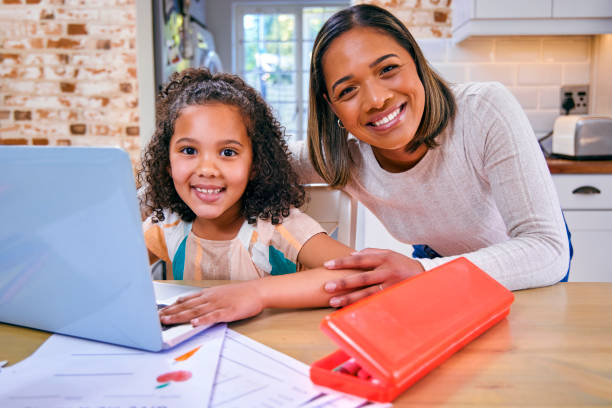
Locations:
(527, 96)
(452, 72)
(539, 74)
(472, 50)
(576, 74)
(549, 98)
(566, 49)
(517, 50)
(542, 121)
(506, 74)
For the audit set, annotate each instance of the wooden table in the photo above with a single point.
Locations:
(554, 349)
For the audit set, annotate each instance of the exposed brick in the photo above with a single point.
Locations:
(63, 58)
(49, 28)
(33, 1)
(40, 141)
(103, 45)
(22, 115)
(132, 130)
(100, 130)
(63, 142)
(78, 129)
(11, 2)
(14, 141)
(125, 87)
(77, 29)
(8, 73)
(10, 58)
(440, 16)
(65, 43)
(5, 114)
(46, 14)
(132, 72)
(67, 87)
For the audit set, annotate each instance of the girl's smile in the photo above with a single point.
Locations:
(210, 165)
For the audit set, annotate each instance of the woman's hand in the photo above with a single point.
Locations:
(384, 268)
(224, 303)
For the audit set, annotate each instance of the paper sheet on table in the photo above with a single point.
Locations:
(71, 372)
(253, 375)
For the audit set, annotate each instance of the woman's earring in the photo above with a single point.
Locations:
(340, 125)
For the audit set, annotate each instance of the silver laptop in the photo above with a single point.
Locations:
(72, 252)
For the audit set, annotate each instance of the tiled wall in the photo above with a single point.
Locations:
(68, 73)
(532, 67)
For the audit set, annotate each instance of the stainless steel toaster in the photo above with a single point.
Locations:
(582, 137)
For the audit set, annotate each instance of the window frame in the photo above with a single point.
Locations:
(296, 9)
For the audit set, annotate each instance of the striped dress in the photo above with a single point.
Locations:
(257, 250)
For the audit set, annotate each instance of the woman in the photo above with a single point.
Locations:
(456, 168)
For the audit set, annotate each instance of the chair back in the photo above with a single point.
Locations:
(335, 210)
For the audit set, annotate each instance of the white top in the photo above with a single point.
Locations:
(485, 193)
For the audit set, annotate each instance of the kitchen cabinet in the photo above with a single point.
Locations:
(530, 17)
(586, 201)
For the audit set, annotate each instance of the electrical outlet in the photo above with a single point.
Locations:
(574, 99)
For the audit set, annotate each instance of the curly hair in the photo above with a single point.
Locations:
(273, 188)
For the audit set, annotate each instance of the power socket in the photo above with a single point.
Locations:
(574, 99)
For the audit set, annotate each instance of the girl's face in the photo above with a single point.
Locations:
(374, 89)
(210, 161)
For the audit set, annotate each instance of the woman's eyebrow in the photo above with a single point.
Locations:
(374, 63)
(381, 59)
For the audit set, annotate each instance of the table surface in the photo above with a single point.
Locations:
(554, 349)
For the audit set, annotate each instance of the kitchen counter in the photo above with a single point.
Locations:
(561, 166)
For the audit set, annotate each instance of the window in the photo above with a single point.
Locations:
(273, 44)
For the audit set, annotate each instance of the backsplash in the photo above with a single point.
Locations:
(68, 73)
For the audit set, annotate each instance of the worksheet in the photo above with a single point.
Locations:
(70, 372)
(253, 375)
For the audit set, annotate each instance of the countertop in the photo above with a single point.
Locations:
(561, 166)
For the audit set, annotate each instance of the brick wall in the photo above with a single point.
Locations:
(68, 73)
(533, 68)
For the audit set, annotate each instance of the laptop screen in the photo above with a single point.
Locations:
(72, 253)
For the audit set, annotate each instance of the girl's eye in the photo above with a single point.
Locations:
(387, 69)
(188, 150)
(228, 152)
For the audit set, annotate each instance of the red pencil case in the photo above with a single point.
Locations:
(401, 333)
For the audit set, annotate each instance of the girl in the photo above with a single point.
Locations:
(456, 168)
(223, 200)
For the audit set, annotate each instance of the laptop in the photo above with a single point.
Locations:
(72, 253)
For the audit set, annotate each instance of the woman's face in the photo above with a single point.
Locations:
(374, 89)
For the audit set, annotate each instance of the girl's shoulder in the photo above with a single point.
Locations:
(296, 228)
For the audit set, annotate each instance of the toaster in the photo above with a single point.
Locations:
(582, 137)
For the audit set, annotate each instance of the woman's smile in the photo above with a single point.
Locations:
(388, 119)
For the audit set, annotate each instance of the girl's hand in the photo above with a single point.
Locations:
(384, 268)
(224, 303)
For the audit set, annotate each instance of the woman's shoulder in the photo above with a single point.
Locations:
(479, 90)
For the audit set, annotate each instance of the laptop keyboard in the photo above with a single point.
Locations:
(165, 327)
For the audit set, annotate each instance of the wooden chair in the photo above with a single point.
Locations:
(335, 210)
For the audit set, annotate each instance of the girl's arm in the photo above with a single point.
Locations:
(240, 300)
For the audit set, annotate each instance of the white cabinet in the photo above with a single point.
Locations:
(530, 17)
(586, 200)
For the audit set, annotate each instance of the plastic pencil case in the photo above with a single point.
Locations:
(401, 333)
